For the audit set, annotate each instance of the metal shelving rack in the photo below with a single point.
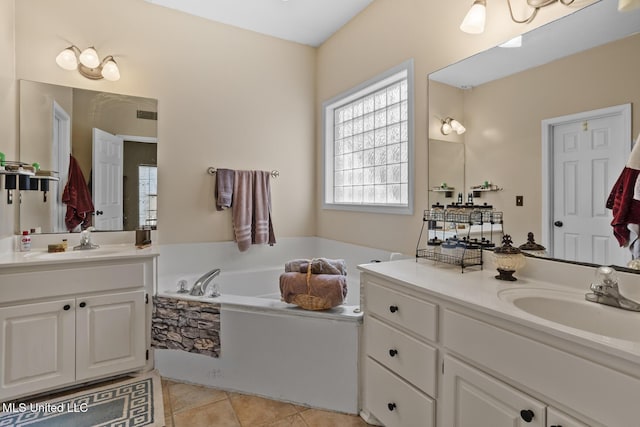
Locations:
(470, 254)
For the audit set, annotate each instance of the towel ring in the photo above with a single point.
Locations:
(212, 171)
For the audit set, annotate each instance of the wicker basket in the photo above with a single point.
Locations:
(308, 301)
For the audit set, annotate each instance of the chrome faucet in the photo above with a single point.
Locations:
(201, 284)
(85, 240)
(606, 291)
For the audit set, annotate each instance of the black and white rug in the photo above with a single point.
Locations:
(128, 403)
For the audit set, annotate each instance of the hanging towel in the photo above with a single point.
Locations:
(242, 208)
(624, 199)
(262, 227)
(77, 198)
(224, 188)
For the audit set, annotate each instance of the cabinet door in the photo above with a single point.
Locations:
(556, 418)
(473, 398)
(109, 334)
(38, 346)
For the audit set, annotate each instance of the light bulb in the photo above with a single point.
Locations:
(89, 58)
(457, 127)
(446, 128)
(67, 59)
(110, 70)
(473, 22)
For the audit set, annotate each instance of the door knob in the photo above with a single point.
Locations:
(527, 415)
(99, 212)
(558, 224)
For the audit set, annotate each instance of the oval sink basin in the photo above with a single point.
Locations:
(570, 309)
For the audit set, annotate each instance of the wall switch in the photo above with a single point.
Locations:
(519, 200)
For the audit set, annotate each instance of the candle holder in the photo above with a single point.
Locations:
(507, 259)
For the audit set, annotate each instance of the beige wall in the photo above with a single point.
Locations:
(503, 138)
(226, 98)
(383, 35)
(8, 108)
(233, 98)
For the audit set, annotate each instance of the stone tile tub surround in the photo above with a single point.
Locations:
(270, 348)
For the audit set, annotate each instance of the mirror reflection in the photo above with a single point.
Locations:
(516, 115)
(113, 140)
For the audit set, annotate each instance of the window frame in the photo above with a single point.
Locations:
(328, 107)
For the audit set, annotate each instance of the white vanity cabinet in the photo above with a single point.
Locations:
(430, 360)
(62, 324)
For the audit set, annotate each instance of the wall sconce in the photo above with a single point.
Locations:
(474, 20)
(88, 63)
(452, 125)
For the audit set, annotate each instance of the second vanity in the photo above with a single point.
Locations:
(441, 348)
(73, 317)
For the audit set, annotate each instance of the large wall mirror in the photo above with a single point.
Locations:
(112, 139)
(572, 86)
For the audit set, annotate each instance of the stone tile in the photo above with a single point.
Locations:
(218, 414)
(187, 396)
(292, 421)
(319, 418)
(254, 410)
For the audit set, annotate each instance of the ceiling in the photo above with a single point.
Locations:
(309, 22)
(594, 25)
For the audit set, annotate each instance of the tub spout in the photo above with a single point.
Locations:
(201, 284)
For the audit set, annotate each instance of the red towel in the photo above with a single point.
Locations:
(77, 198)
(626, 210)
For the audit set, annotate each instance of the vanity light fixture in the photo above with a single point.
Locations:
(88, 63)
(474, 20)
(452, 125)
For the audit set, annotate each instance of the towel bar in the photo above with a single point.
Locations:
(212, 171)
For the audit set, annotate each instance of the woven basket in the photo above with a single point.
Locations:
(308, 301)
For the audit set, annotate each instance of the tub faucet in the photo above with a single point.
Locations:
(85, 240)
(606, 291)
(201, 284)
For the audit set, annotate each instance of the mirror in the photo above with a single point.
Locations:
(583, 62)
(119, 168)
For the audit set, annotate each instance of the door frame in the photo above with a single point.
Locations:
(623, 110)
(61, 150)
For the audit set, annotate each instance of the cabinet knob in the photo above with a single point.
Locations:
(393, 352)
(527, 415)
(82, 304)
(556, 425)
(393, 308)
(66, 307)
(391, 406)
(558, 224)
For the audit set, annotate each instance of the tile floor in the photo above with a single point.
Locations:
(187, 405)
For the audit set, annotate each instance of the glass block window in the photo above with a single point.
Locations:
(147, 196)
(368, 145)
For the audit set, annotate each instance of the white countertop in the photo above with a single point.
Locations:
(37, 257)
(479, 290)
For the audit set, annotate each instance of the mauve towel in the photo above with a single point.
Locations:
(318, 266)
(330, 286)
(242, 208)
(224, 188)
(262, 227)
(77, 198)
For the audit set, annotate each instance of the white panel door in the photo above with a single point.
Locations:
(473, 398)
(108, 159)
(588, 157)
(109, 334)
(38, 346)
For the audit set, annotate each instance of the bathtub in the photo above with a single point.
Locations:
(270, 348)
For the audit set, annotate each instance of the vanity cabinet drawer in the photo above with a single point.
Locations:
(404, 355)
(394, 402)
(413, 314)
(603, 394)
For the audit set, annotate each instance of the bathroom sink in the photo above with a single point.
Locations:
(569, 308)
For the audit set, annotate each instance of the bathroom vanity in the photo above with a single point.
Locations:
(73, 317)
(441, 348)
